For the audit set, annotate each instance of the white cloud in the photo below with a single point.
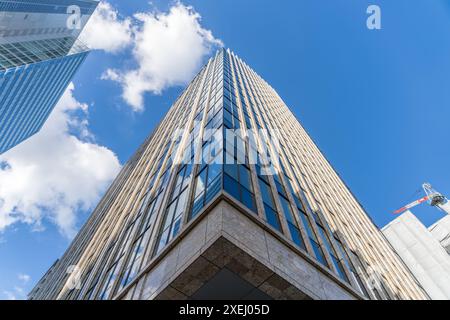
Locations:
(106, 31)
(24, 277)
(56, 173)
(168, 48)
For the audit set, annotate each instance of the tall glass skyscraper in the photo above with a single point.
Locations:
(39, 55)
(228, 198)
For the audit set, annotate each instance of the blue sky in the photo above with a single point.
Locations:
(375, 101)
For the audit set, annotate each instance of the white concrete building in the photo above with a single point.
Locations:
(423, 250)
(441, 232)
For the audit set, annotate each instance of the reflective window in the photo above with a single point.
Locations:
(173, 219)
(269, 204)
(237, 182)
(326, 240)
(312, 238)
(207, 185)
(292, 224)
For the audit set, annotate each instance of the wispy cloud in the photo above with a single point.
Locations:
(25, 278)
(18, 292)
(9, 295)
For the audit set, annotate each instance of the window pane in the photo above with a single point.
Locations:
(206, 156)
(198, 205)
(266, 193)
(325, 239)
(228, 119)
(244, 177)
(213, 189)
(272, 218)
(181, 203)
(318, 252)
(297, 201)
(176, 226)
(170, 215)
(180, 177)
(231, 186)
(280, 188)
(240, 150)
(232, 170)
(248, 199)
(187, 175)
(339, 268)
(287, 209)
(296, 236)
(213, 172)
(305, 220)
(163, 240)
(200, 186)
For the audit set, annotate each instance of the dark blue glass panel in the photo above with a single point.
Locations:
(318, 252)
(232, 170)
(266, 193)
(272, 217)
(286, 209)
(280, 188)
(248, 199)
(296, 236)
(228, 119)
(244, 177)
(307, 226)
(213, 189)
(231, 186)
(198, 205)
(339, 268)
(297, 202)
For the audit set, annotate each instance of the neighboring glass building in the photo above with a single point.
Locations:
(228, 198)
(39, 55)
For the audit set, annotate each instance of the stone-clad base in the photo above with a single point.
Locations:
(226, 250)
(249, 273)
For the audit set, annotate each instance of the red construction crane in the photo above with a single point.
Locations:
(433, 197)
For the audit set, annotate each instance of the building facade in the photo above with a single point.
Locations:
(424, 252)
(228, 198)
(441, 232)
(39, 55)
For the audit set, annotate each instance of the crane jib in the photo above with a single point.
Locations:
(412, 204)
